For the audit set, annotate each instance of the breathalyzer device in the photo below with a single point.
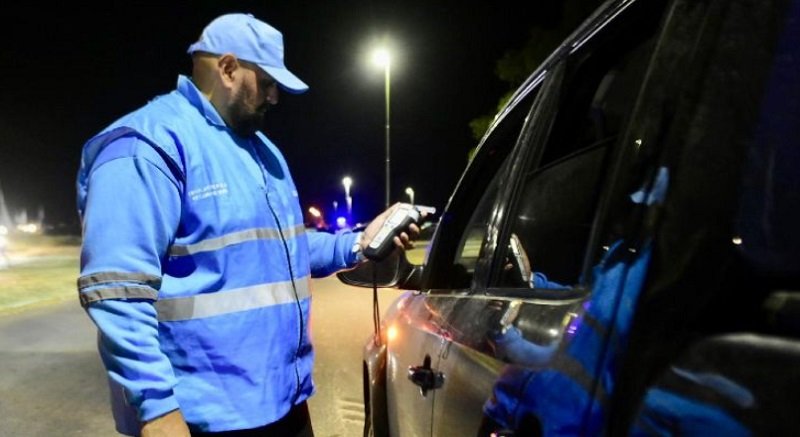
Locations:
(383, 243)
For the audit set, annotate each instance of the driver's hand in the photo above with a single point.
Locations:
(518, 258)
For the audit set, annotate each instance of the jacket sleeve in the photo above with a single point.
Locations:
(132, 211)
(539, 280)
(330, 253)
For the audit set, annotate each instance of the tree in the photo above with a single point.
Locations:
(556, 23)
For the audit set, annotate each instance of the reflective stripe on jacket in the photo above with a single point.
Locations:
(205, 274)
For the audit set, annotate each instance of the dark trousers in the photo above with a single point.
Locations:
(296, 423)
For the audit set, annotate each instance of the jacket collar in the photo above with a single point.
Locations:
(189, 91)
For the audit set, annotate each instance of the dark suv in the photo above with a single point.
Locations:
(622, 255)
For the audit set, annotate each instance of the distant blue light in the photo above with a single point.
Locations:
(341, 222)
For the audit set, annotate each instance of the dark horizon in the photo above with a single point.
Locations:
(71, 70)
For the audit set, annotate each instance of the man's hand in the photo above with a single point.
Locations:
(403, 241)
(171, 424)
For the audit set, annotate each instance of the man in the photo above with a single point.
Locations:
(195, 267)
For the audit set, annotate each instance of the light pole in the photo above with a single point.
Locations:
(382, 58)
(410, 192)
(348, 182)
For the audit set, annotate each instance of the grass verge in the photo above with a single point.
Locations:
(39, 269)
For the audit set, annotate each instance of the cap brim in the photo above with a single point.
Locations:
(287, 81)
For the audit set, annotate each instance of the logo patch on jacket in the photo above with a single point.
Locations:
(211, 190)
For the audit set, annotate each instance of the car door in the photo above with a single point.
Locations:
(421, 328)
(522, 321)
(714, 337)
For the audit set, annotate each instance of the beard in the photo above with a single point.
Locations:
(245, 121)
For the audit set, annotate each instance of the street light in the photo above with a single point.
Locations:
(382, 58)
(348, 182)
(410, 192)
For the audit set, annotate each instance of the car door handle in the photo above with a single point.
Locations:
(425, 377)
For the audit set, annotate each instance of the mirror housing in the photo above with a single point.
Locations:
(393, 272)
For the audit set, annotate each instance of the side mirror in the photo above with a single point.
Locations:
(393, 272)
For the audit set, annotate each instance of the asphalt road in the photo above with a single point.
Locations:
(341, 322)
(52, 382)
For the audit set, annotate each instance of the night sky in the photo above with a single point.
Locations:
(69, 70)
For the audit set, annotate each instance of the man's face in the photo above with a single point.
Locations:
(251, 100)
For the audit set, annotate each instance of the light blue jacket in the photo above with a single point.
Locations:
(195, 267)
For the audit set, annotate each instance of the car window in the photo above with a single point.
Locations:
(766, 225)
(462, 229)
(552, 223)
(555, 205)
(471, 246)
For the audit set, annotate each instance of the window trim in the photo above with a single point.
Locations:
(533, 133)
(570, 64)
(531, 147)
(446, 240)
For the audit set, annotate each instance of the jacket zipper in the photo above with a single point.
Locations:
(296, 298)
(262, 169)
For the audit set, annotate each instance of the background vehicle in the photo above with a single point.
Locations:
(649, 169)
